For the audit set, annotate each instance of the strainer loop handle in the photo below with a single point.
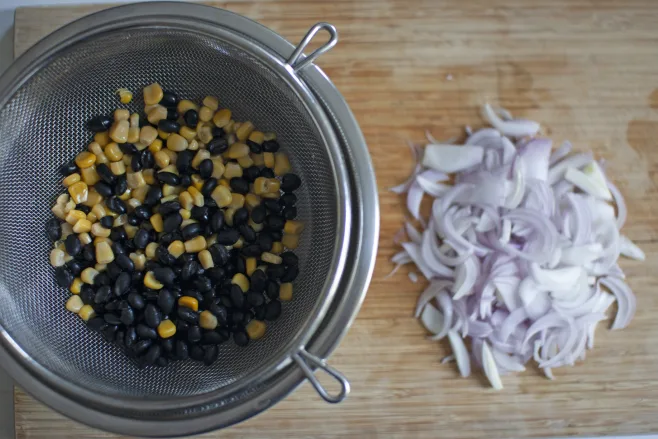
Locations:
(333, 39)
(303, 359)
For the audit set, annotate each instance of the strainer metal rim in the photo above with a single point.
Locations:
(334, 325)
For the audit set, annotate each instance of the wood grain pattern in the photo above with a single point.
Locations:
(587, 69)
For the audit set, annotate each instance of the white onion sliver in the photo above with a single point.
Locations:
(460, 353)
(490, 369)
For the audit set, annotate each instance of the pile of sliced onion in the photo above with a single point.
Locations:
(520, 248)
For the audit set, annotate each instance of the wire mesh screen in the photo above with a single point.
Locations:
(44, 125)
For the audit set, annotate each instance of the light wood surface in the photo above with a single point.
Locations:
(589, 71)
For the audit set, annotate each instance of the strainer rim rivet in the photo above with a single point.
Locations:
(303, 359)
(333, 39)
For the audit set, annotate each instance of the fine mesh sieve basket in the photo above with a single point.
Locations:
(193, 50)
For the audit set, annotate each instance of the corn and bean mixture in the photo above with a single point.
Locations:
(177, 229)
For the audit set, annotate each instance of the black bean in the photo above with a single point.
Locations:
(290, 213)
(122, 284)
(267, 173)
(237, 317)
(141, 239)
(272, 205)
(259, 312)
(265, 242)
(73, 245)
(131, 337)
(252, 251)
(254, 147)
(205, 168)
(127, 316)
(208, 186)
(290, 182)
(290, 274)
(102, 279)
(194, 293)
(165, 275)
(255, 299)
(240, 266)
(203, 284)
(189, 270)
(184, 161)
(276, 235)
(113, 271)
(181, 350)
(168, 178)
(83, 208)
(116, 205)
(251, 173)
(107, 221)
(96, 324)
(136, 163)
(152, 354)
(127, 148)
(53, 229)
(169, 99)
(75, 267)
(87, 294)
(194, 334)
(142, 345)
(168, 126)
(104, 189)
(111, 306)
(226, 301)
(289, 258)
(172, 114)
(275, 222)
(237, 296)
(220, 255)
(163, 255)
(118, 234)
(63, 277)
(133, 219)
(288, 199)
(247, 233)
(112, 319)
(120, 187)
(68, 168)
(169, 207)
(272, 290)
(191, 231)
(99, 124)
(258, 281)
(197, 353)
(137, 278)
(153, 196)
(103, 294)
(217, 221)
(136, 300)
(109, 332)
(167, 345)
(119, 249)
(216, 274)
(211, 337)
(248, 316)
(275, 271)
(188, 315)
(146, 333)
(210, 355)
(191, 118)
(258, 214)
(241, 216)
(124, 261)
(270, 146)
(152, 315)
(240, 337)
(239, 185)
(217, 145)
(228, 236)
(200, 213)
(273, 310)
(166, 301)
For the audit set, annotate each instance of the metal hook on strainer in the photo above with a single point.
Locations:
(303, 359)
(333, 39)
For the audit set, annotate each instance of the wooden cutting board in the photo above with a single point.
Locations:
(588, 70)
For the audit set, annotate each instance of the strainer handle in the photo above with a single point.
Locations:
(333, 39)
(303, 359)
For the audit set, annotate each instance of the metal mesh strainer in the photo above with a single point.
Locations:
(194, 51)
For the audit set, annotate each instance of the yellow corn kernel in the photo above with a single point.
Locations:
(120, 220)
(99, 210)
(57, 257)
(285, 292)
(217, 167)
(197, 197)
(229, 128)
(62, 199)
(102, 158)
(200, 156)
(151, 282)
(98, 230)
(161, 159)
(237, 200)
(125, 95)
(148, 134)
(232, 170)
(222, 117)
(168, 190)
(92, 218)
(135, 179)
(121, 114)
(177, 143)
(113, 152)
(277, 247)
(245, 161)
(153, 94)
(189, 302)
(168, 198)
(150, 249)
(224, 182)
(186, 214)
(207, 320)
(268, 159)
(119, 131)
(242, 281)
(211, 102)
(85, 159)
(256, 137)
(90, 176)
(251, 200)
(88, 274)
(222, 196)
(134, 120)
(257, 227)
(244, 131)
(93, 198)
(149, 176)
(166, 329)
(255, 329)
(173, 156)
(264, 185)
(133, 134)
(104, 253)
(290, 241)
(269, 136)
(176, 248)
(171, 168)
(76, 286)
(130, 230)
(102, 239)
(205, 258)
(204, 132)
(205, 114)
(74, 216)
(85, 238)
(157, 222)
(270, 258)
(86, 312)
(58, 211)
(281, 164)
(211, 240)
(195, 245)
(257, 159)
(187, 222)
(188, 133)
(184, 105)
(95, 148)
(186, 201)
(236, 127)
(156, 114)
(118, 168)
(237, 150)
(197, 181)
(73, 178)
(69, 206)
(126, 195)
(139, 260)
(102, 138)
(250, 266)
(293, 227)
(155, 146)
(82, 226)
(228, 215)
(193, 145)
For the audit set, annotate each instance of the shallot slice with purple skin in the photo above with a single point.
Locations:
(521, 251)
